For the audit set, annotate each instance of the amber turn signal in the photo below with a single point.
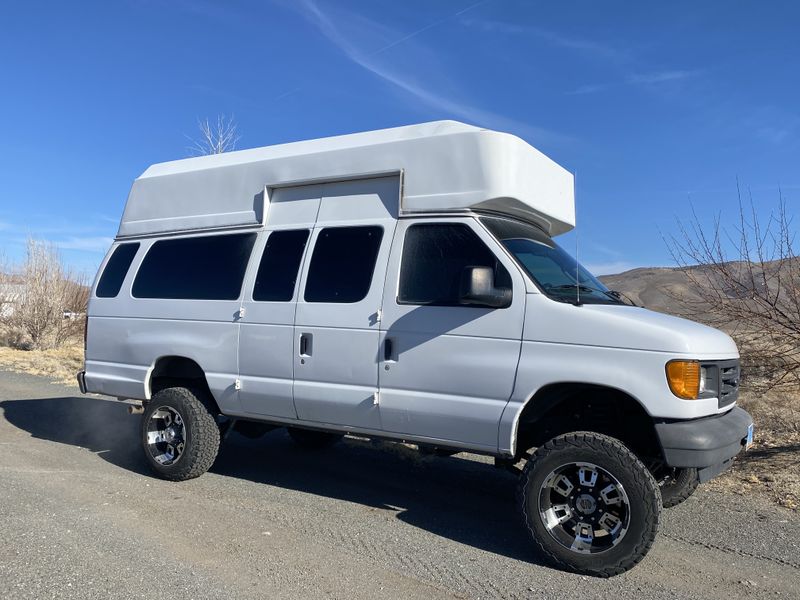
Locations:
(684, 378)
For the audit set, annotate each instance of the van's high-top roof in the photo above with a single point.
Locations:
(446, 166)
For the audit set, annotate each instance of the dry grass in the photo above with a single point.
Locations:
(772, 466)
(58, 365)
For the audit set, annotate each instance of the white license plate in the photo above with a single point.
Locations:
(749, 442)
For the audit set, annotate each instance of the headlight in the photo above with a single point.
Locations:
(684, 378)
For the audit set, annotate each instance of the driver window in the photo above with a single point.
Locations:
(434, 258)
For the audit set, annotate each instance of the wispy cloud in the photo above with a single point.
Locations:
(561, 40)
(645, 79)
(76, 243)
(426, 92)
(85, 244)
(611, 268)
(662, 76)
(107, 219)
(93, 236)
(620, 59)
(591, 88)
(774, 135)
(773, 125)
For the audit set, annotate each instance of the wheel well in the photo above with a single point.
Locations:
(566, 407)
(172, 371)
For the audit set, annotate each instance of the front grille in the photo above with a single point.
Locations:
(728, 382)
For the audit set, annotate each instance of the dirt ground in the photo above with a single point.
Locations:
(771, 468)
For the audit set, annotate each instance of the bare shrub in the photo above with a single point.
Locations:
(43, 301)
(745, 278)
(215, 138)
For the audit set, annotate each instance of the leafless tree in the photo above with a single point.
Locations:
(215, 138)
(745, 278)
(47, 302)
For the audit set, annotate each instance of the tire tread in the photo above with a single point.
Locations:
(205, 435)
(678, 492)
(601, 444)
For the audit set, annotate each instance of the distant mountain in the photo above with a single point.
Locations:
(656, 288)
(666, 289)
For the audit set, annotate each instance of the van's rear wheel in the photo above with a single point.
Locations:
(314, 440)
(589, 504)
(179, 434)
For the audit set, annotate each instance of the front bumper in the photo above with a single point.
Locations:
(708, 444)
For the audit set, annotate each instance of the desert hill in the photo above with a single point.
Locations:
(656, 288)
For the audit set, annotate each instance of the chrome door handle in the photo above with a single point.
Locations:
(305, 344)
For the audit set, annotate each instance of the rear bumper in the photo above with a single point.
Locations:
(82, 381)
(708, 443)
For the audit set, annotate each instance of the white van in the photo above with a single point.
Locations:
(404, 284)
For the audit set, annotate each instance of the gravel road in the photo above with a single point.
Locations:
(81, 517)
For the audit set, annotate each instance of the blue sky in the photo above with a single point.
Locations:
(658, 107)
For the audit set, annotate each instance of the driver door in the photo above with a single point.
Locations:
(447, 370)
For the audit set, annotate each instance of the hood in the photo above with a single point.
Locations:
(616, 326)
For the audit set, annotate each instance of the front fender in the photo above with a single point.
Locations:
(638, 373)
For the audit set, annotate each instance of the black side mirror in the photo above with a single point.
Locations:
(478, 289)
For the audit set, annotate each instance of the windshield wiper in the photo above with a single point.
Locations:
(572, 286)
(613, 294)
(621, 297)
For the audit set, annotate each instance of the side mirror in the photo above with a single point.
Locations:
(478, 289)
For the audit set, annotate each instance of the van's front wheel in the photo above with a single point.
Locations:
(677, 485)
(179, 434)
(589, 504)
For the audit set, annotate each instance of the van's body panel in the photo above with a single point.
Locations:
(610, 346)
(266, 338)
(336, 380)
(445, 166)
(452, 371)
(627, 327)
(128, 335)
(449, 375)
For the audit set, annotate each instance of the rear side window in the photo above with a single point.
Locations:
(342, 264)
(280, 263)
(116, 270)
(197, 268)
(434, 258)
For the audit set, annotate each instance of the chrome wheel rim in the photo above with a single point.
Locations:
(166, 435)
(584, 508)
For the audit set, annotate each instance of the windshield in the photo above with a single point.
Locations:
(556, 272)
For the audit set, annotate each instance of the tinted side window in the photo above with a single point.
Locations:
(199, 268)
(434, 258)
(115, 271)
(277, 273)
(342, 264)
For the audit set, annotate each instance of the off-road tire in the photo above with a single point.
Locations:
(611, 455)
(202, 433)
(314, 440)
(679, 486)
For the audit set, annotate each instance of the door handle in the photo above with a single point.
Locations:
(305, 344)
(388, 349)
